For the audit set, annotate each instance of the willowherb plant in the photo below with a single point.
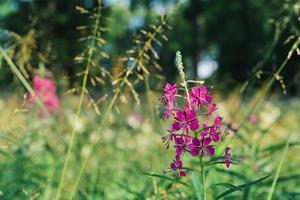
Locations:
(196, 128)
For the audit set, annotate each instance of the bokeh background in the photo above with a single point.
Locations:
(235, 46)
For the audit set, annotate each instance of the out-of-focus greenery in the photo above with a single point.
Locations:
(32, 154)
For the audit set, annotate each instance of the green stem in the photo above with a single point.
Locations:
(103, 120)
(203, 180)
(78, 111)
(285, 151)
(109, 107)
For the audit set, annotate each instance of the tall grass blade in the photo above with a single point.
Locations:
(285, 151)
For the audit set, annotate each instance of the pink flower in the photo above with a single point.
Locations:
(169, 99)
(199, 97)
(213, 132)
(46, 91)
(185, 116)
(210, 133)
(201, 147)
(186, 120)
(211, 109)
(252, 119)
(177, 165)
(227, 157)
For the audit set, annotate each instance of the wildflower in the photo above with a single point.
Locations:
(45, 90)
(199, 97)
(252, 119)
(177, 163)
(227, 157)
(213, 132)
(186, 120)
(169, 99)
(210, 133)
(212, 108)
(184, 133)
(201, 147)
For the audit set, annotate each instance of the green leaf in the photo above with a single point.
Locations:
(227, 185)
(197, 185)
(166, 178)
(283, 157)
(241, 187)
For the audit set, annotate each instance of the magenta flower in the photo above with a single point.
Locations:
(227, 157)
(169, 99)
(211, 109)
(199, 97)
(184, 132)
(210, 133)
(201, 147)
(45, 90)
(185, 120)
(176, 165)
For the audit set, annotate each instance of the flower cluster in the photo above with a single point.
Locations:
(45, 90)
(195, 128)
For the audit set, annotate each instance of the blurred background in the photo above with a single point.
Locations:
(236, 46)
(220, 41)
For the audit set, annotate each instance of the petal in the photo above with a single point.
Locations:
(194, 125)
(196, 142)
(176, 126)
(182, 173)
(180, 115)
(195, 152)
(215, 137)
(210, 150)
(173, 166)
(227, 163)
(206, 141)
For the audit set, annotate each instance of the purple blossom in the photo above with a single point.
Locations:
(185, 120)
(201, 147)
(199, 97)
(211, 109)
(210, 133)
(184, 132)
(227, 157)
(169, 99)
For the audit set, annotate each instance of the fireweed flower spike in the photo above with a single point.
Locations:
(190, 131)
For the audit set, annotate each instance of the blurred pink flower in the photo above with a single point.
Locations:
(45, 90)
(252, 119)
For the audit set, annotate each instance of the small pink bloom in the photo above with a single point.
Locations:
(252, 119)
(45, 90)
(199, 97)
(169, 99)
(201, 147)
(211, 133)
(185, 120)
(211, 109)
